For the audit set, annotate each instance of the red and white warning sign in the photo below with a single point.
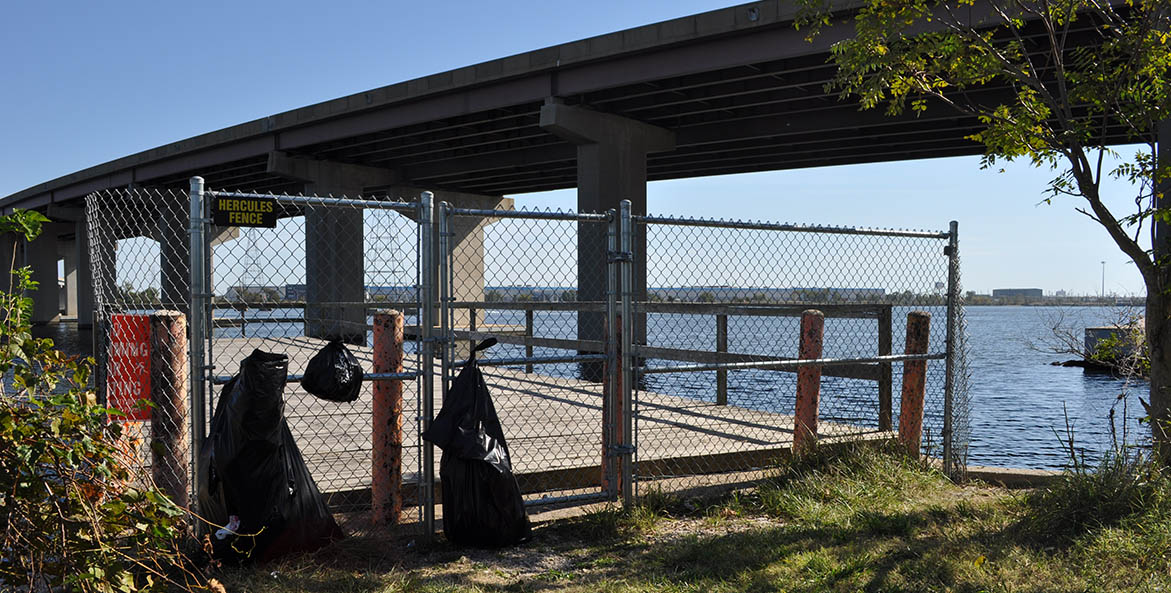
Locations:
(129, 377)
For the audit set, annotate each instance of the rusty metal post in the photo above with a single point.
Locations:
(168, 393)
(914, 382)
(386, 489)
(808, 382)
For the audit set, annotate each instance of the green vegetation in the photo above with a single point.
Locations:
(1042, 95)
(72, 512)
(856, 520)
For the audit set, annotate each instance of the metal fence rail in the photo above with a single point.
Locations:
(633, 351)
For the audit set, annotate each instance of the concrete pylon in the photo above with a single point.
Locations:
(611, 167)
(41, 256)
(174, 254)
(83, 286)
(467, 250)
(68, 253)
(335, 286)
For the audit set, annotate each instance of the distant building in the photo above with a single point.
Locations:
(295, 292)
(1029, 293)
(254, 293)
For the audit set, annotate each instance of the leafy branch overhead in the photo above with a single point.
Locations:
(1051, 81)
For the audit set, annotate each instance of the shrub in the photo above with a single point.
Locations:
(73, 514)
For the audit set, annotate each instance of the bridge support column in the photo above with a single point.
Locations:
(174, 249)
(611, 167)
(69, 255)
(41, 256)
(83, 286)
(335, 283)
(467, 251)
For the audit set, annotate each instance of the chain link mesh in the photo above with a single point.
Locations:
(139, 252)
(323, 274)
(731, 292)
(538, 285)
(704, 292)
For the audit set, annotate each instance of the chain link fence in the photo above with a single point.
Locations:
(139, 253)
(330, 269)
(537, 283)
(633, 351)
(724, 304)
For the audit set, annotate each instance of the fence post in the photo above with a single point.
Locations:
(528, 334)
(472, 327)
(386, 489)
(953, 289)
(885, 380)
(612, 410)
(914, 382)
(427, 358)
(198, 324)
(612, 368)
(808, 382)
(721, 347)
(626, 353)
(168, 393)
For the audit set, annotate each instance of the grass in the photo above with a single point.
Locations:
(862, 520)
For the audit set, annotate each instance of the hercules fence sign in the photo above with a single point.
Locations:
(246, 212)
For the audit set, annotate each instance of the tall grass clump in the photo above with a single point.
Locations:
(1126, 481)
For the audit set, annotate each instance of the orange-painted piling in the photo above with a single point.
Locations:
(168, 393)
(386, 490)
(914, 382)
(612, 437)
(808, 382)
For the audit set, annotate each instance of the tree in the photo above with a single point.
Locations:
(1051, 82)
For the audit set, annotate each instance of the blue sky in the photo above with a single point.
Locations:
(87, 82)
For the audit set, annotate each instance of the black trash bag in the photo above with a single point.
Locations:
(253, 485)
(482, 505)
(333, 374)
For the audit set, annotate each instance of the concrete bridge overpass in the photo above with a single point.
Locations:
(728, 91)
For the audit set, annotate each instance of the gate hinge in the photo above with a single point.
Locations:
(947, 250)
(616, 256)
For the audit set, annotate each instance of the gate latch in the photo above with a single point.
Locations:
(616, 450)
(617, 256)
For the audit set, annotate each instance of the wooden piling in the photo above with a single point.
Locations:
(808, 382)
(914, 382)
(721, 347)
(168, 393)
(885, 378)
(387, 433)
(528, 334)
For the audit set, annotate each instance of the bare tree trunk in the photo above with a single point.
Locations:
(1159, 343)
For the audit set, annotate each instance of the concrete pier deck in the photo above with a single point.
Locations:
(553, 426)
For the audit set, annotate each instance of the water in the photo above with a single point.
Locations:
(1019, 401)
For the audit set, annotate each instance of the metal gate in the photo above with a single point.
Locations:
(520, 278)
(632, 350)
(331, 269)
